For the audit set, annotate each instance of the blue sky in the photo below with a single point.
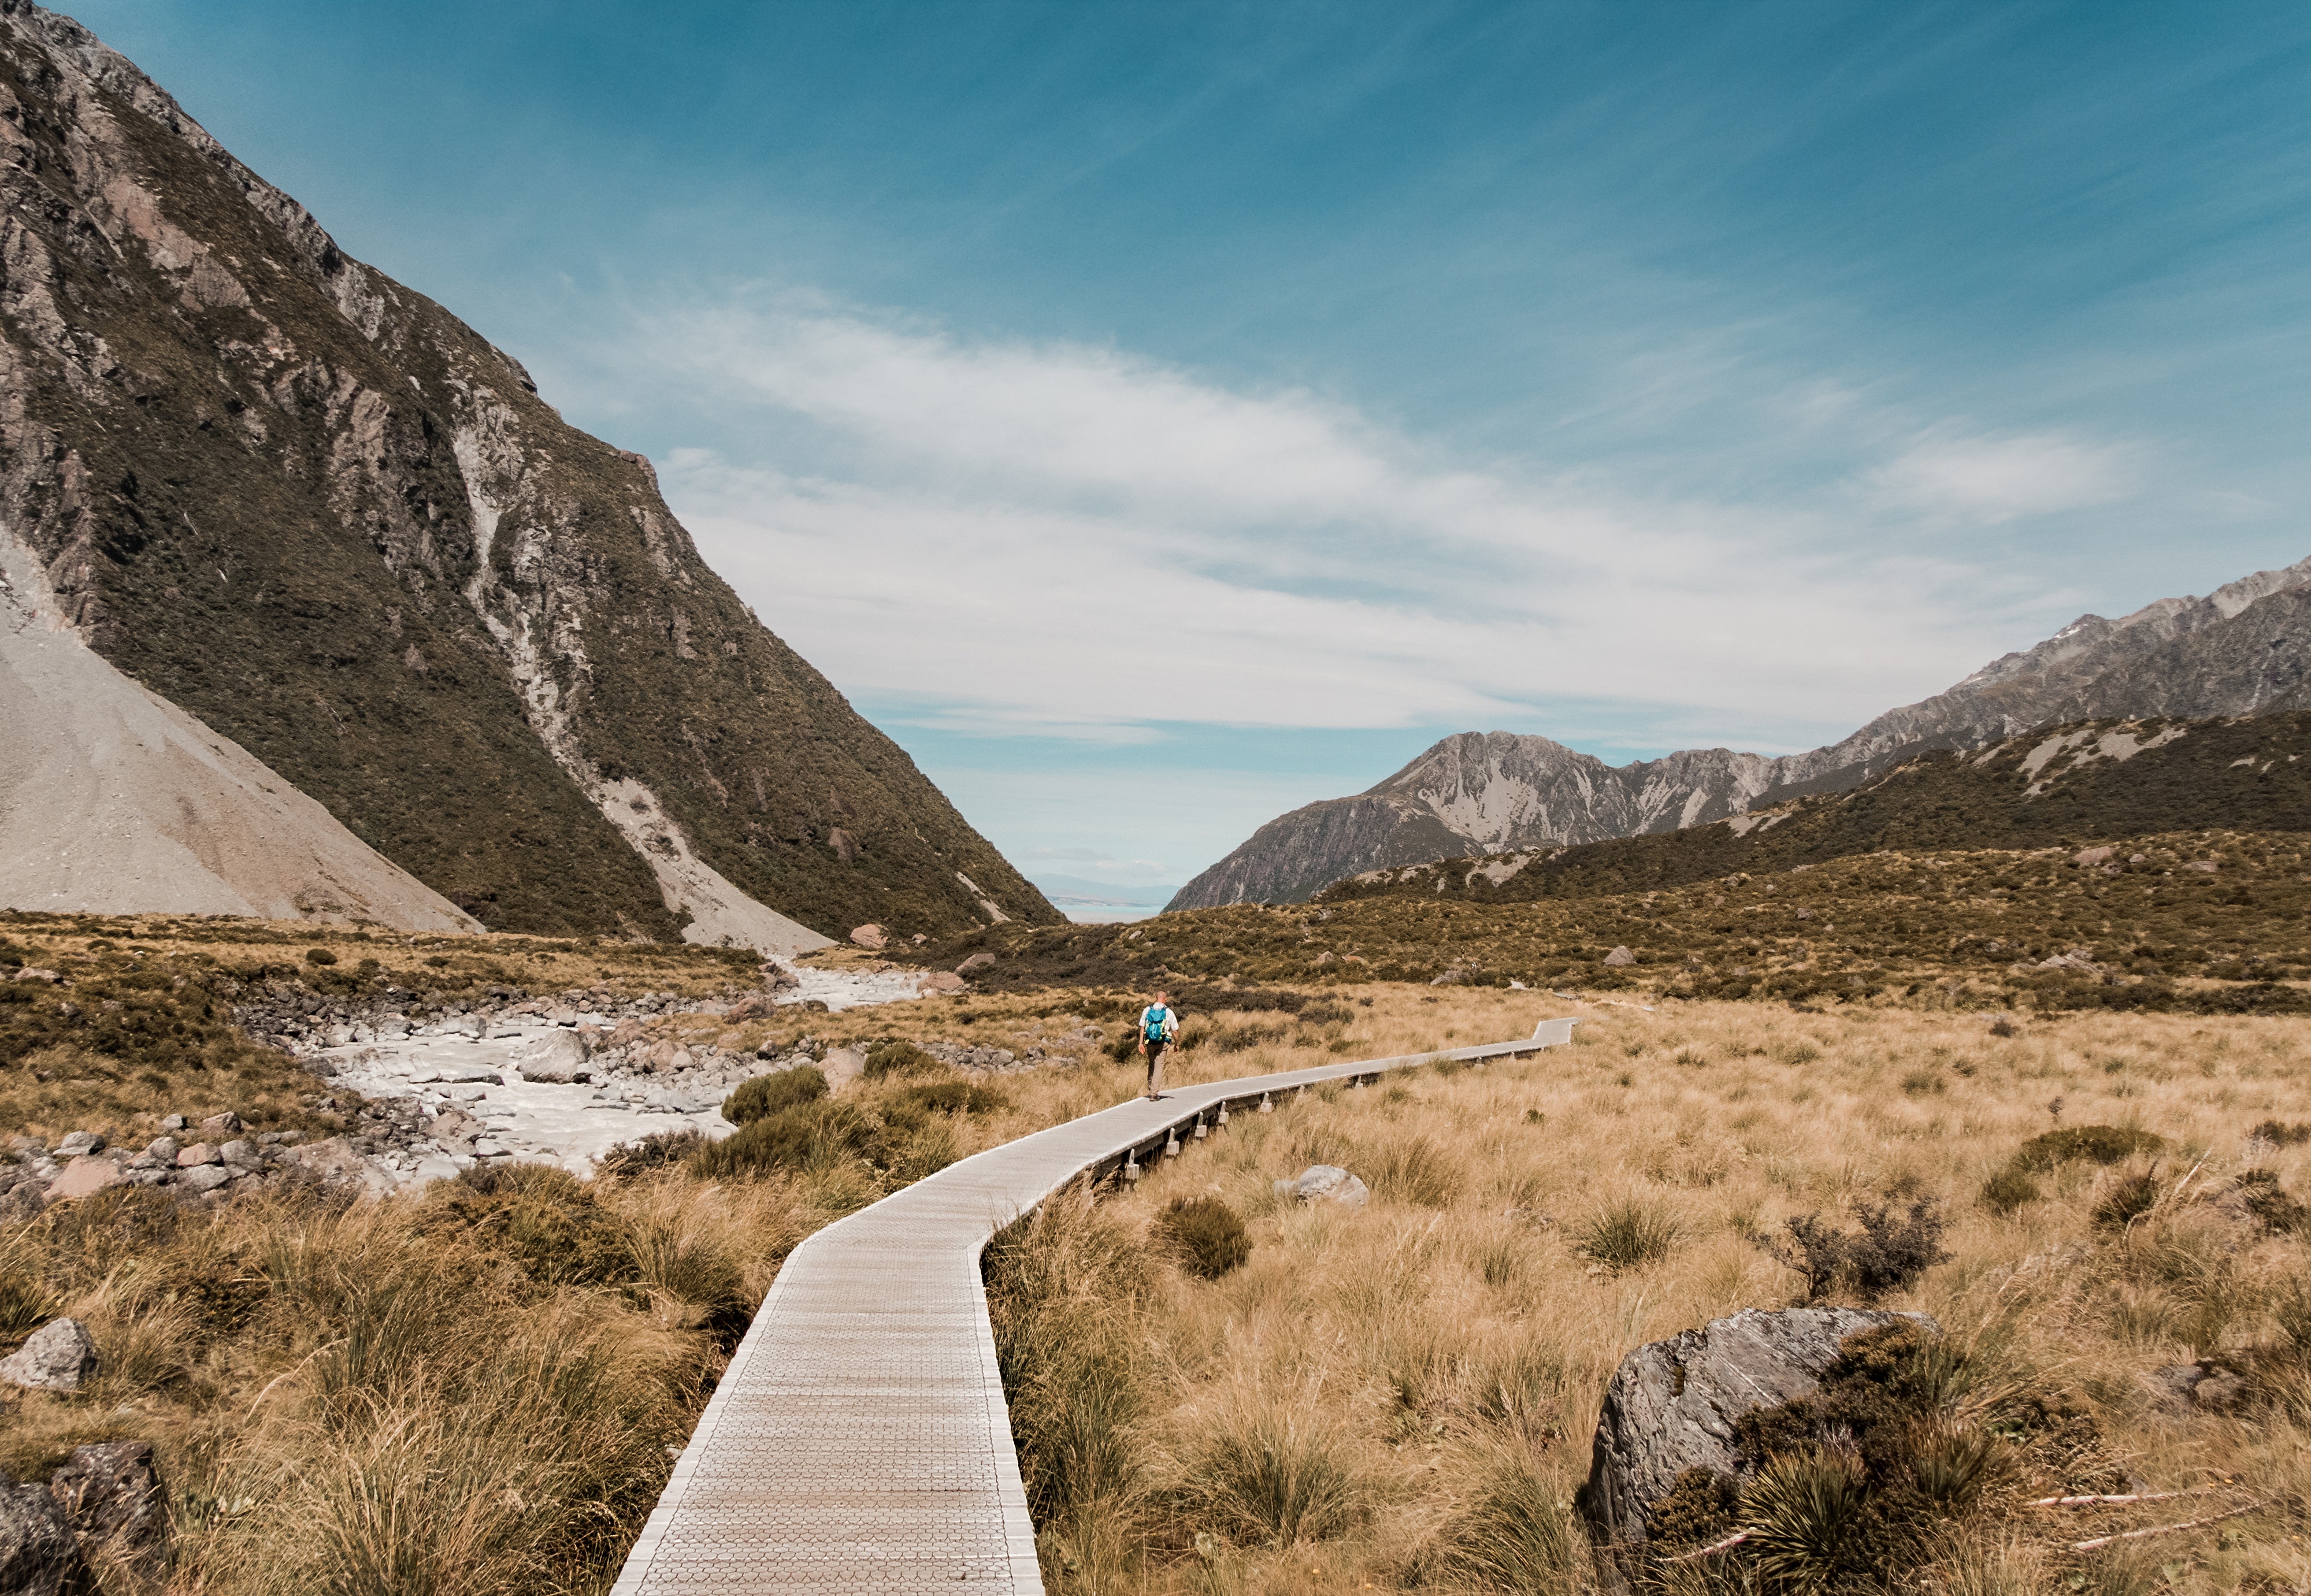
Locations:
(1157, 416)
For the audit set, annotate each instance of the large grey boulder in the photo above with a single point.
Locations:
(558, 1059)
(1325, 1182)
(38, 1553)
(58, 1358)
(1673, 1404)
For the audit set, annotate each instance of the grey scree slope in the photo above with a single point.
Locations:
(858, 1440)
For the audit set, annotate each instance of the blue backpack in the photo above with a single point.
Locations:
(1156, 1019)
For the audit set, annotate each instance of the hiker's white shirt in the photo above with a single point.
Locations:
(1170, 1020)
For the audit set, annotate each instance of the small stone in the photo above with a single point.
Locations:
(28, 974)
(58, 1357)
(1619, 957)
(162, 1149)
(207, 1177)
(79, 1144)
(868, 936)
(240, 1156)
(942, 981)
(198, 1154)
(221, 1126)
(176, 1123)
(83, 1177)
(2208, 865)
(2093, 856)
(113, 1498)
(975, 963)
(557, 1058)
(1326, 1183)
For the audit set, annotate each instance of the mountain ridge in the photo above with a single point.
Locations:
(320, 514)
(2239, 650)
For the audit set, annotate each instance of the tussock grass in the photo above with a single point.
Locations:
(1433, 1362)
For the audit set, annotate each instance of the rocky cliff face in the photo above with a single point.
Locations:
(2241, 650)
(319, 512)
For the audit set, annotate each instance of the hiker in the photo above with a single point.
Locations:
(1159, 1022)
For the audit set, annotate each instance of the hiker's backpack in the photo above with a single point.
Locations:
(1155, 1021)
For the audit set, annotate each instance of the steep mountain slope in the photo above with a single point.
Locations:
(2241, 650)
(317, 511)
(112, 798)
(2063, 787)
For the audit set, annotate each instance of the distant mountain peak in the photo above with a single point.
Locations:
(2240, 650)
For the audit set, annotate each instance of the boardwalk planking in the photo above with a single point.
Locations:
(859, 1441)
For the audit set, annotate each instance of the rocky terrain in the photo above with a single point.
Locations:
(2241, 650)
(321, 516)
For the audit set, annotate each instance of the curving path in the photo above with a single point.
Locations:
(859, 1441)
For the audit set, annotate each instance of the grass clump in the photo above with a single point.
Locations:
(885, 1059)
(1627, 1234)
(2128, 1200)
(768, 1094)
(2009, 1189)
(1265, 1477)
(1204, 1234)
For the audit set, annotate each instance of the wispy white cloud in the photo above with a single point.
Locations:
(1070, 540)
(1995, 479)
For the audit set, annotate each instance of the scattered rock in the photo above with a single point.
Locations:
(755, 1006)
(976, 962)
(941, 980)
(222, 1125)
(162, 1149)
(176, 1123)
(1326, 1183)
(841, 1066)
(1672, 1404)
(557, 1058)
(79, 1144)
(2202, 1387)
(28, 974)
(1619, 957)
(38, 1553)
(208, 1177)
(58, 1357)
(2208, 865)
(241, 1155)
(113, 1501)
(868, 936)
(84, 1177)
(2094, 856)
(198, 1154)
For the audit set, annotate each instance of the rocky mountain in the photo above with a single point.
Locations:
(2241, 650)
(315, 511)
(2066, 787)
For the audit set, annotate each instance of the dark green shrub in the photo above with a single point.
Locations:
(2269, 1202)
(947, 1097)
(2282, 1135)
(320, 956)
(1206, 1235)
(2009, 1189)
(656, 1151)
(540, 1218)
(767, 1094)
(887, 1059)
(2099, 1144)
(794, 1138)
(1887, 1253)
(2130, 1199)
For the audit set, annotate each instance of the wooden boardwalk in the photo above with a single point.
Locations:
(859, 1441)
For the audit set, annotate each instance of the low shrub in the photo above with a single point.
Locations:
(1205, 1236)
(1626, 1236)
(541, 1217)
(2098, 1144)
(2128, 1200)
(885, 1059)
(320, 956)
(2270, 1202)
(656, 1151)
(2009, 1189)
(946, 1097)
(801, 1135)
(768, 1094)
(1888, 1253)
(2281, 1135)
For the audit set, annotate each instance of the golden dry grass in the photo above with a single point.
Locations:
(1391, 1397)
